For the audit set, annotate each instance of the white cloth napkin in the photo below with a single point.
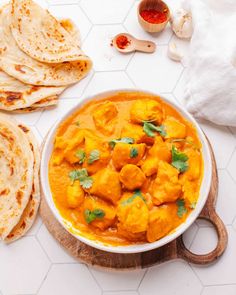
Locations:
(211, 62)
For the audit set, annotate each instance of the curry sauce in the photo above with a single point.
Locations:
(126, 169)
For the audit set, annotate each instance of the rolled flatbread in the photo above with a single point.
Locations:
(16, 95)
(41, 35)
(16, 174)
(28, 217)
(28, 70)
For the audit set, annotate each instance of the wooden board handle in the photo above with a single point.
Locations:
(222, 234)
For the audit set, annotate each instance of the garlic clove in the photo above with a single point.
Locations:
(181, 23)
(173, 52)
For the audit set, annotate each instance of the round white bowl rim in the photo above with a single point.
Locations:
(137, 248)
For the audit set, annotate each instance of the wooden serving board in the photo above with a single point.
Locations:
(173, 250)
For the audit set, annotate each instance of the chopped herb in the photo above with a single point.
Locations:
(179, 160)
(136, 194)
(127, 140)
(81, 155)
(86, 183)
(181, 208)
(149, 129)
(77, 123)
(94, 156)
(133, 152)
(193, 205)
(81, 175)
(92, 215)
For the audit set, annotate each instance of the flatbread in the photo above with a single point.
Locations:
(30, 212)
(48, 102)
(71, 28)
(17, 95)
(21, 66)
(16, 174)
(41, 35)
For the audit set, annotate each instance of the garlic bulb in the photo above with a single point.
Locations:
(181, 23)
(173, 52)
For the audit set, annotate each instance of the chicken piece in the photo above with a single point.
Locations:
(106, 185)
(104, 117)
(136, 132)
(190, 191)
(132, 177)
(124, 153)
(57, 157)
(70, 139)
(146, 110)
(160, 150)
(94, 143)
(174, 128)
(150, 166)
(162, 220)
(132, 237)
(132, 213)
(74, 195)
(93, 203)
(194, 164)
(166, 186)
(67, 145)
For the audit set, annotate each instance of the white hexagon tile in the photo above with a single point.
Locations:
(175, 277)
(158, 65)
(106, 11)
(119, 280)
(23, 266)
(55, 252)
(69, 279)
(37, 264)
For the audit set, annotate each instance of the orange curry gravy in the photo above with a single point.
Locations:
(137, 189)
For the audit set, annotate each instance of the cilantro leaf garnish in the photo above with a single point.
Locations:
(81, 155)
(137, 194)
(149, 129)
(181, 208)
(179, 160)
(127, 140)
(133, 152)
(81, 175)
(92, 215)
(94, 156)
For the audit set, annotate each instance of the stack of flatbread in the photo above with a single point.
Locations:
(39, 56)
(19, 179)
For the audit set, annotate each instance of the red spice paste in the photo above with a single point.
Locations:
(122, 41)
(154, 16)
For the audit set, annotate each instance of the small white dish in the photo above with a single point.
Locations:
(204, 191)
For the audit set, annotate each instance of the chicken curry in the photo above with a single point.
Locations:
(126, 169)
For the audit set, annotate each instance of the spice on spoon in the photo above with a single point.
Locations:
(154, 16)
(122, 41)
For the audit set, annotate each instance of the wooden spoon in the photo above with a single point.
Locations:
(134, 44)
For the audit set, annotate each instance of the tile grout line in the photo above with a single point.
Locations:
(44, 279)
(41, 246)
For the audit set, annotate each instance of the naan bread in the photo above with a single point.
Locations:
(16, 174)
(40, 35)
(16, 95)
(21, 66)
(30, 212)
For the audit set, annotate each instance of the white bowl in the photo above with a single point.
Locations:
(205, 186)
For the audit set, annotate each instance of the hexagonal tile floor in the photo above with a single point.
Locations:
(36, 264)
